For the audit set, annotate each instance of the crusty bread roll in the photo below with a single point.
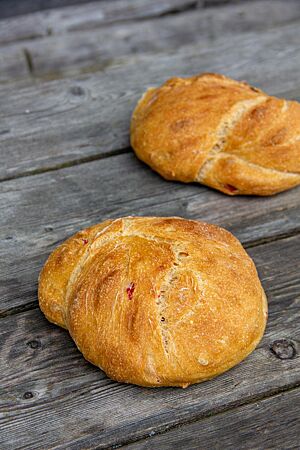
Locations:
(156, 301)
(219, 132)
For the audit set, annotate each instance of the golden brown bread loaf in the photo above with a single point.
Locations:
(219, 132)
(156, 301)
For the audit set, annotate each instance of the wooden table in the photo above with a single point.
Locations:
(70, 78)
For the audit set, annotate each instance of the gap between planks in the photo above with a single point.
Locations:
(237, 408)
(74, 162)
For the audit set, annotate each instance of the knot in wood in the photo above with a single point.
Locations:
(283, 349)
(28, 395)
(77, 90)
(34, 344)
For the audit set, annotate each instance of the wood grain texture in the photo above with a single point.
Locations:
(37, 212)
(91, 15)
(272, 423)
(48, 388)
(82, 48)
(13, 64)
(50, 397)
(66, 121)
(11, 8)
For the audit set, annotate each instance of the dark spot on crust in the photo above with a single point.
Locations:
(182, 254)
(258, 112)
(206, 97)
(181, 124)
(278, 137)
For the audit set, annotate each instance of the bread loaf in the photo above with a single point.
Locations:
(156, 301)
(219, 132)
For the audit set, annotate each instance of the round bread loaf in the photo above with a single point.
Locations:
(219, 132)
(156, 301)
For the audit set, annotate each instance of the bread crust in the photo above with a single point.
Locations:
(219, 132)
(156, 301)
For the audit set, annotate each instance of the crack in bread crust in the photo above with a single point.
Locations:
(252, 164)
(82, 261)
(225, 127)
(199, 283)
(160, 302)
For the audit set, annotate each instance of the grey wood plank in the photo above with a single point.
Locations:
(12, 8)
(47, 386)
(56, 55)
(88, 16)
(65, 121)
(39, 211)
(13, 64)
(272, 423)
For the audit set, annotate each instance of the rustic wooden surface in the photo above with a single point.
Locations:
(69, 79)
(251, 425)
(87, 44)
(44, 374)
(51, 124)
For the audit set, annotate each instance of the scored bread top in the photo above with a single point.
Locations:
(219, 132)
(156, 301)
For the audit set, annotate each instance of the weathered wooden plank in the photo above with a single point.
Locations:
(13, 64)
(81, 17)
(272, 423)
(48, 388)
(39, 211)
(65, 121)
(12, 8)
(56, 55)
